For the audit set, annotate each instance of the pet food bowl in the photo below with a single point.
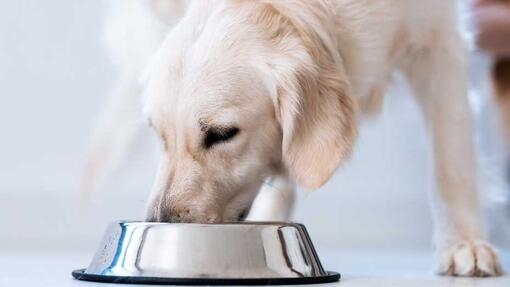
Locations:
(245, 253)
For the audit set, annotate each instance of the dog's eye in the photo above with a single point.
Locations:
(214, 136)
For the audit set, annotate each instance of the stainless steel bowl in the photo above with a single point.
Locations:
(183, 253)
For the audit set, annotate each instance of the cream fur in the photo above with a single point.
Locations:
(295, 77)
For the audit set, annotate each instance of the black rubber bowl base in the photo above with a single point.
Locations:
(81, 275)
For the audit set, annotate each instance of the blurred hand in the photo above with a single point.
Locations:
(492, 26)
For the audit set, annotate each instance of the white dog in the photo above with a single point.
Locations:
(240, 91)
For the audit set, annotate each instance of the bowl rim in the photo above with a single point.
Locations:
(80, 274)
(230, 223)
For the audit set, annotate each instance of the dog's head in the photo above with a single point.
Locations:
(237, 93)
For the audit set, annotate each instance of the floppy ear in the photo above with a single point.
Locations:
(315, 106)
(318, 123)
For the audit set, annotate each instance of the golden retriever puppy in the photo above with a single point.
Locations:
(240, 91)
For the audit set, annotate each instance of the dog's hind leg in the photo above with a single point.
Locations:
(437, 74)
(274, 201)
(501, 83)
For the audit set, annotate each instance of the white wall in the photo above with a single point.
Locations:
(54, 77)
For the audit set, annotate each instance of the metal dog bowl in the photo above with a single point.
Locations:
(206, 254)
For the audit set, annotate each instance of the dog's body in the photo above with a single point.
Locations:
(243, 90)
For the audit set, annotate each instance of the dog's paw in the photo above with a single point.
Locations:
(475, 258)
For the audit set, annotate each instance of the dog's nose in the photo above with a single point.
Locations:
(150, 218)
(178, 216)
(165, 217)
(161, 212)
(182, 215)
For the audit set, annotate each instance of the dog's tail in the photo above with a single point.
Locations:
(118, 122)
(116, 128)
(121, 119)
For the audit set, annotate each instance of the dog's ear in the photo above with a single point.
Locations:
(318, 123)
(314, 102)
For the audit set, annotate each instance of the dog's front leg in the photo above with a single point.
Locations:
(274, 201)
(438, 77)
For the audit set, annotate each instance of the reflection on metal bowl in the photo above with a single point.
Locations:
(184, 253)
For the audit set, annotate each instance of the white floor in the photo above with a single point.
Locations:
(358, 269)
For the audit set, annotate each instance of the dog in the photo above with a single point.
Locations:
(239, 91)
